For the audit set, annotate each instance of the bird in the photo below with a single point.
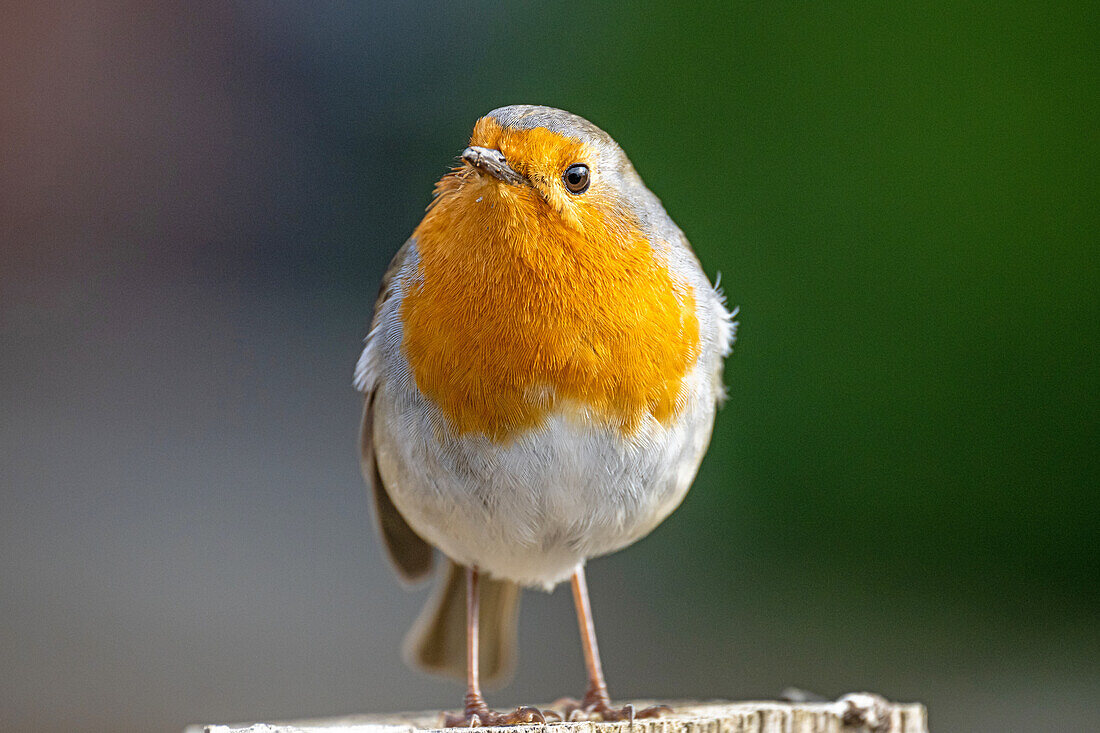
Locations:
(540, 380)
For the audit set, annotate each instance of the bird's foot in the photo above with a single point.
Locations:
(478, 715)
(597, 706)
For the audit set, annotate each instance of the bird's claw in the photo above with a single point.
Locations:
(600, 709)
(482, 717)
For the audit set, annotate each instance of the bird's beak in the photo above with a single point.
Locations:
(492, 162)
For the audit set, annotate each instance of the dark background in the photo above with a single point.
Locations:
(197, 201)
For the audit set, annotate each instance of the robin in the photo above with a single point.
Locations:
(541, 377)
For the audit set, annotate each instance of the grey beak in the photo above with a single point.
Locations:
(492, 162)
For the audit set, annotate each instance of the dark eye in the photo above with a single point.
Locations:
(576, 178)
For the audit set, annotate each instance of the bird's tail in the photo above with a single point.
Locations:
(437, 640)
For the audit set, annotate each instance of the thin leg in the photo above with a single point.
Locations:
(476, 712)
(596, 700)
(475, 703)
(596, 694)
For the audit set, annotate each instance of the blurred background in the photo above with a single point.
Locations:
(197, 201)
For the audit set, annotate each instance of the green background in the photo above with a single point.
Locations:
(901, 492)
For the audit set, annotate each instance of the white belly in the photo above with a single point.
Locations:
(529, 510)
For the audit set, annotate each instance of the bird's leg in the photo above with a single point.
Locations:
(596, 694)
(475, 703)
(596, 701)
(476, 713)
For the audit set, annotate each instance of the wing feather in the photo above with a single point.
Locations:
(410, 553)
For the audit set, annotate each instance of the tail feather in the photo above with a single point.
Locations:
(437, 640)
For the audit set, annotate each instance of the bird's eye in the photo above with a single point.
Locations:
(576, 178)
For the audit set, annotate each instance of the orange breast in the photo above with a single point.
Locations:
(513, 314)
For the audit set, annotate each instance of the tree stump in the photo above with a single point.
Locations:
(855, 713)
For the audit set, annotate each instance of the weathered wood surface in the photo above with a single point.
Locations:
(851, 714)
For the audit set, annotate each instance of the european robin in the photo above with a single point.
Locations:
(541, 377)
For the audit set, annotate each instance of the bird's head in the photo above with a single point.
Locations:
(530, 163)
